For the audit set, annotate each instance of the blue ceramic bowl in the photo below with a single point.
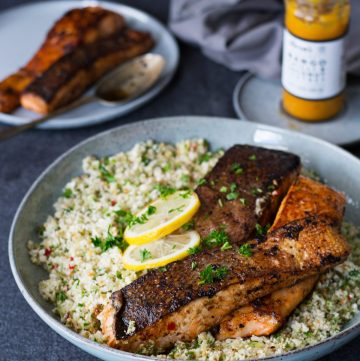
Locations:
(339, 169)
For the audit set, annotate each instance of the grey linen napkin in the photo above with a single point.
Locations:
(245, 34)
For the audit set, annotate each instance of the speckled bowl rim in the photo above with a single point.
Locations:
(85, 343)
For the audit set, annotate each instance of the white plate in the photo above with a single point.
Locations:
(23, 29)
(259, 100)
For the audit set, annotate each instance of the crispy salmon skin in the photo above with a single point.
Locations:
(175, 305)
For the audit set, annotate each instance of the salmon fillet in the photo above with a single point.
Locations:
(266, 315)
(76, 28)
(160, 308)
(68, 78)
(257, 179)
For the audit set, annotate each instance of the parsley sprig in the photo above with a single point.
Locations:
(110, 241)
(143, 218)
(164, 190)
(237, 169)
(145, 254)
(245, 250)
(106, 174)
(67, 193)
(260, 230)
(213, 273)
(216, 238)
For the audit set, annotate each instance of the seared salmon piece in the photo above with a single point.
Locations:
(266, 315)
(163, 307)
(68, 78)
(76, 28)
(244, 188)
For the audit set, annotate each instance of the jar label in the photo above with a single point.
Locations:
(313, 69)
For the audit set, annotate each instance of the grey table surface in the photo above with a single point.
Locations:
(200, 87)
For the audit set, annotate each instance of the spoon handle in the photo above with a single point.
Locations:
(12, 131)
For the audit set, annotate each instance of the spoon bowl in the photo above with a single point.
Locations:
(130, 80)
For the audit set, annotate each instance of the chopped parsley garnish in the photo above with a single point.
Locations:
(212, 273)
(252, 157)
(189, 225)
(118, 275)
(164, 190)
(243, 201)
(60, 296)
(143, 218)
(109, 242)
(237, 169)
(186, 193)
(260, 231)
(271, 187)
(67, 193)
(144, 255)
(256, 191)
(354, 273)
(163, 269)
(204, 157)
(145, 160)
(185, 178)
(245, 250)
(123, 218)
(178, 209)
(232, 196)
(194, 250)
(151, 210)
(106, 174)
(223, 189)
(216, 238)
(40, 231)
(226, 246)
(166, 167)
(201, 182)
(212, 182)
(193, 265)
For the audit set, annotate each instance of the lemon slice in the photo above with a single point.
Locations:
(162, 217)
(161, 252)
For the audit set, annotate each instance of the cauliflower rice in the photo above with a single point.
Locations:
(83, 276)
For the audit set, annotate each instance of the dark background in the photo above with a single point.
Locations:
(200, 87)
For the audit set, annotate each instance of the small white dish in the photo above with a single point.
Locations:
(260, 100)
(26, 27)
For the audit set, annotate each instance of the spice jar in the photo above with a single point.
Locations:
(313, 73)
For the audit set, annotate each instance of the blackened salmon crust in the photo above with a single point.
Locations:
(262, 178)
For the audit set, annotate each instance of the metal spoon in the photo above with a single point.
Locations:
(125, 83)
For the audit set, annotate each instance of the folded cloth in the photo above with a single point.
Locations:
(245, 34)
